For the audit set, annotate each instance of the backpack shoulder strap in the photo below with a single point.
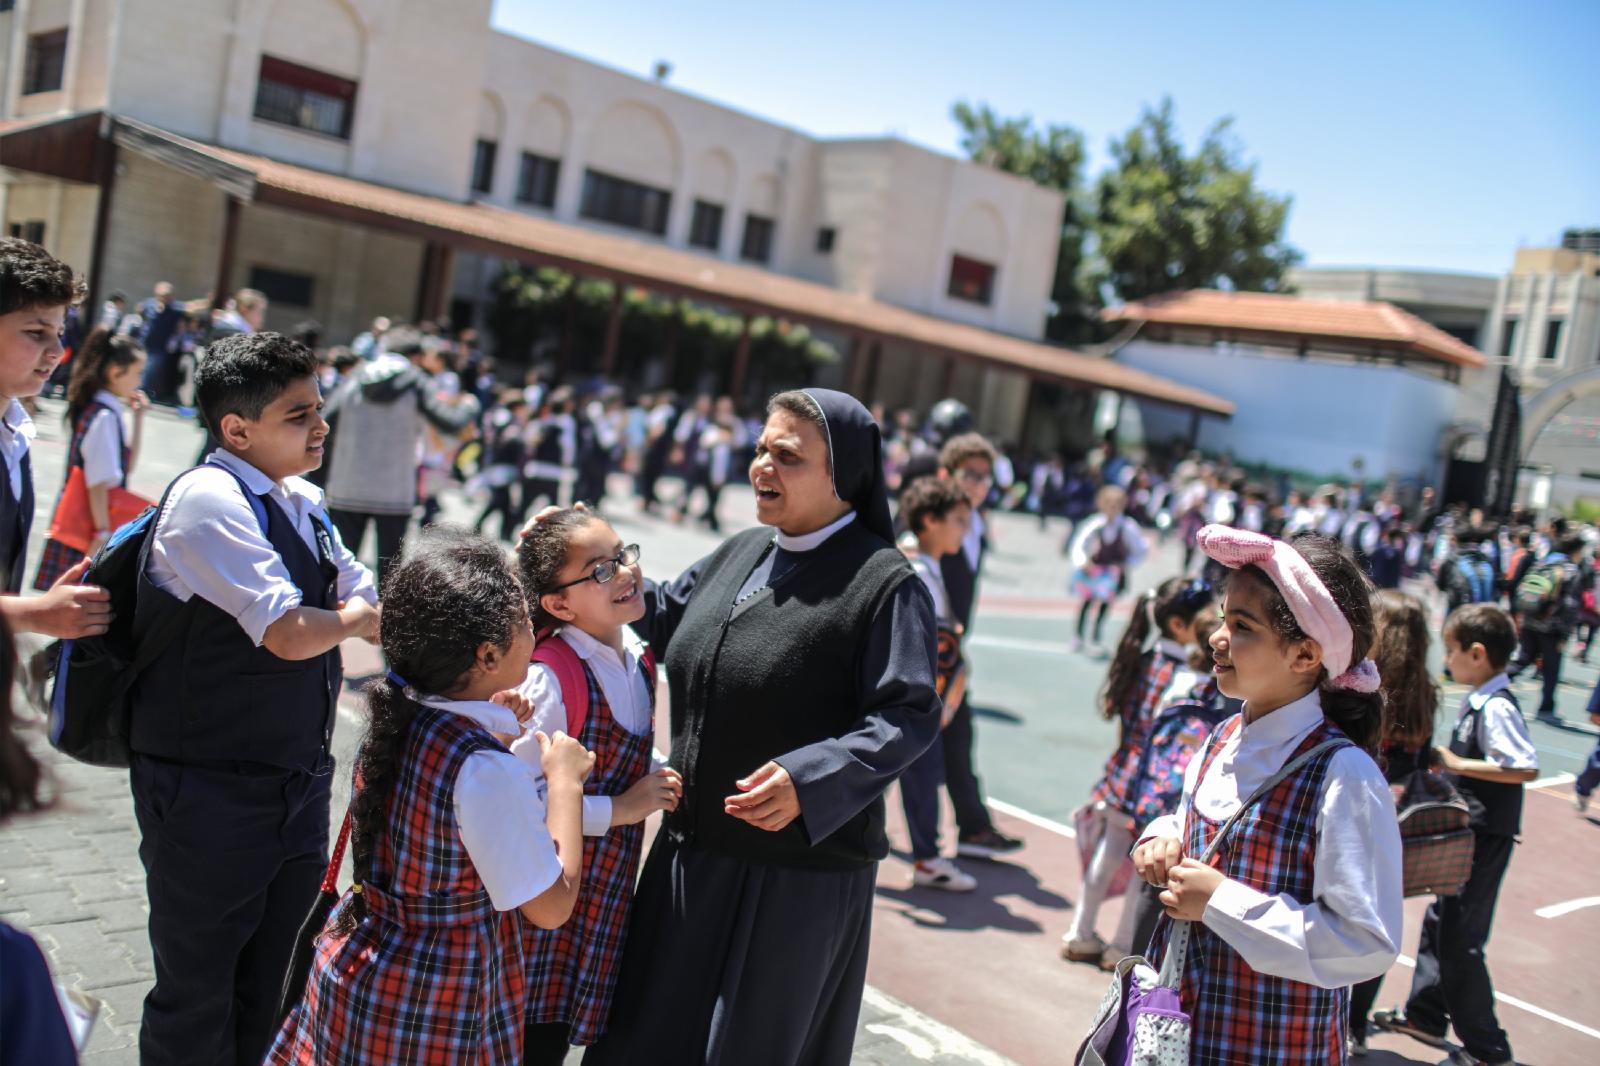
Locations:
(564, 662)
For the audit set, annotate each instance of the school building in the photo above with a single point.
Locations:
(360, 157)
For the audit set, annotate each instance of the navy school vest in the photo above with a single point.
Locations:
(16, 520)
(213, 695)
(1495, 806)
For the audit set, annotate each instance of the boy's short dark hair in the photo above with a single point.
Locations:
(242, 373)
(31, 277)
(959, 449)
(930, 498)
(1571, 545)
(1486, 624)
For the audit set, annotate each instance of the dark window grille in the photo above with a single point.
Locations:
(1552, 338)
(757, 243)
(1508, 339)
(825, 238)
(47, 60)
(483, 156)
(624, 203)
(32, 230)
(705, 228)
(283, 286)
(307, 99)
(971, 280)
(536, 181)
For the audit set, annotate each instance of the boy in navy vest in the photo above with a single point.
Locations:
(35, 291)
(1491, 756)
(233, 721)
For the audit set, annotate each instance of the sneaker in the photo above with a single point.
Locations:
(1110, 957)
(1084, 949)
(1581, 802)
(943, 874)
(989, 844)
(1395, 1021)
(1356, 1046)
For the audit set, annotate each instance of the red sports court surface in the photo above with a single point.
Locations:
(986, 963)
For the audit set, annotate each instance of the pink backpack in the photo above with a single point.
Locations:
(567, 665)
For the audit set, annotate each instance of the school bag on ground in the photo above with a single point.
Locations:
(1436, 839)
(1141, 1020)
(564, 661)
(90, 714)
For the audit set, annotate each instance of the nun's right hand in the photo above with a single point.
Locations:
(544, 515)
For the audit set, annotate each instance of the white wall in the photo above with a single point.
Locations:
(1307, 415)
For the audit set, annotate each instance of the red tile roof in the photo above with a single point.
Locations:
(1273, 317)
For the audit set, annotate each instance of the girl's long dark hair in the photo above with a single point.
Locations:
(452, 593)
(542, 555)
(1176, 598)
(1410, 693)
(100, 354)
(1358, 714)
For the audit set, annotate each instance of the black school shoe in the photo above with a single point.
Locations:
(1395, 1021)
(989, 844)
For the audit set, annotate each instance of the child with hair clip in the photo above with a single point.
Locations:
(455, 846)
(104, 384)
(1300, 897)
(593, 676)
(1103, 551)
(1140, 675)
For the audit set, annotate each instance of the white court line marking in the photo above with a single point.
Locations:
(1512, 1001)
(1044, 647)
(1556, 910)
(1553, 780)
(923, 1037)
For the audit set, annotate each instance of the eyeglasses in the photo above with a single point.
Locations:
(974, 477)
(603, 572)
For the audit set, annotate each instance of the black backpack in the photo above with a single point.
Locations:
(91, 716)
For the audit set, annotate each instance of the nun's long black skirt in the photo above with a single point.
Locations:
(733, 963)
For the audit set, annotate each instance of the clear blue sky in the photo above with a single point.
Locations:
(1425, 133)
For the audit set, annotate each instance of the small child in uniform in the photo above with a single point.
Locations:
(104, 382)
(1104, 549)
(1135, 685)
(938, 513)
(453, 847)
(1491, 756)
(1304, 897)
(585, 587)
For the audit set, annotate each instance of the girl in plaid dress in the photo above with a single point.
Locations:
(1304, 897)
(1135, 686)
(422, 961)
(585, 585)
(105, 380)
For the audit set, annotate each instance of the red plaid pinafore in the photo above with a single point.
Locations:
(572, 971)
(433, 975)
(1238, 1014)
(57, 558)
(1138, 716)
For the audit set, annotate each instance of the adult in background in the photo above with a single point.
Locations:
(161, 318)
(801, 663)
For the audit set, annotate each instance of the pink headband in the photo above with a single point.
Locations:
(1308, 598)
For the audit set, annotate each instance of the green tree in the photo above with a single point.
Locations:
(1166, 221)
(1051, 156)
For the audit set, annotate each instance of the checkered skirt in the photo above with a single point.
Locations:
(1240, 1015)
(1138, 718)
(433, 975)
(572, 971)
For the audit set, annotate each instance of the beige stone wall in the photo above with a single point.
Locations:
(66, 209)
(166, 226)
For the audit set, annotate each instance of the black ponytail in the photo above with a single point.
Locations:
(1176, 598)
(96, 357)
(452, 593)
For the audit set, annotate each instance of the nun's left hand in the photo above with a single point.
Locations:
(767, 799)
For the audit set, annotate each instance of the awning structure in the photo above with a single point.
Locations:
(496, 231)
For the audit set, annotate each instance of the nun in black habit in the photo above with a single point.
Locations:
(800, 656)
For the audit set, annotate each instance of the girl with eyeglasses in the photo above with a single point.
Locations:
(1152, 660)
(584, 590)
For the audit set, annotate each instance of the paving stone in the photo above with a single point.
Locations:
(26, 880)
(80, 947)
(100, 887)
(122, 915)
(47, 908)
(87, 859)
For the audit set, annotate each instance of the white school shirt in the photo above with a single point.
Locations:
(102, 445)
(1350, 931)
(972, 543)
(1502, 731)
(16, 436)
(933, 580)
(500, 811)
(208, 543)
(622, 682)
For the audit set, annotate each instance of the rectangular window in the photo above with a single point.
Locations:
(705, 228)
(283, 286)
(536, 181)
(1552, 338)
(624, 203)
(483, 154)
(825, 238)
(1508, 339)
(757, 243)
(47, 58)
(971, 280)
(32, 230)
(292, 95)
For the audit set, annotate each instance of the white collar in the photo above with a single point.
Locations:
(808, 541)
(261, 484)
(16, 422)
(491, 716)
(588, 647)
(1172, 649)
(1287, 723)
(1484, 692)
(109, 398)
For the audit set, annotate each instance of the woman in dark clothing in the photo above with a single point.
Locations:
(801, 666)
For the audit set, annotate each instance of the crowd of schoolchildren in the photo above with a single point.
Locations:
(1267, 703)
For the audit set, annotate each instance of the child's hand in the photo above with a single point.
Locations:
(516, 703)
(362, 618)
(1154, 859)
(659, 791)
(543, 515)
(564, 759)
(1448, 759)
(138, 403)
(1190, 885)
